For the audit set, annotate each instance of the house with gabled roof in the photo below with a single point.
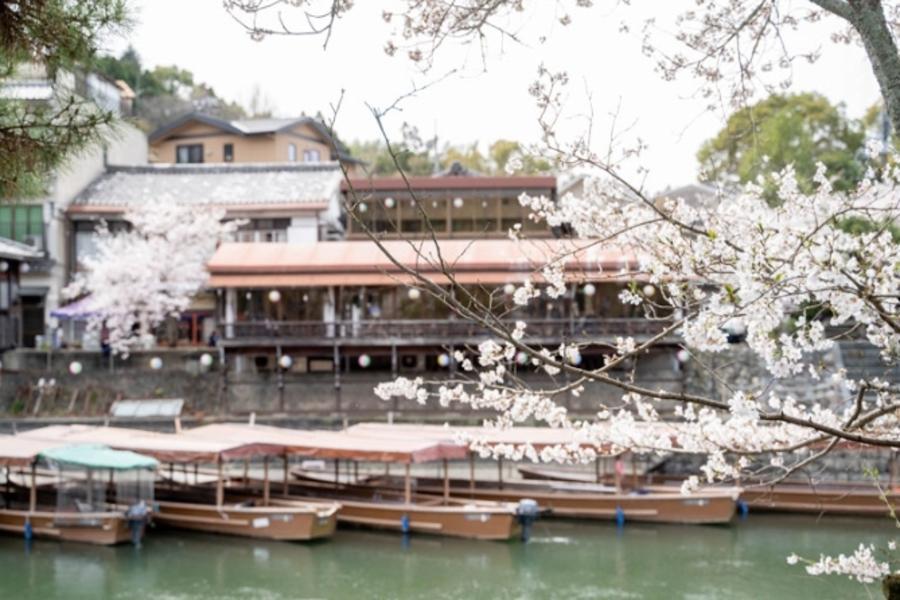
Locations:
(200, 138)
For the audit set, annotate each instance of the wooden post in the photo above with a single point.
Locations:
(196, 474)
(171, 476)
(446, 483)
(500, 472)
(634, 475)
(287, 476)
(597, 470)
(90, 488)
(32, 496)
(407, 487)
(246, 471)
(265, 481)
(220, 485)
(471, 474)
(337, 472)
(619, 468)
(355, 471)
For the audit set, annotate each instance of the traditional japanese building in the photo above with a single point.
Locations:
(330, 318)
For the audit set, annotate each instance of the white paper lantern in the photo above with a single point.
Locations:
(649, 290)
(24, 268)
(362, 207)
(414, 294)
(206, 359)
(389, 203)
(156, 363)
(509, 289)
(364, 361)
(521, 358)
(443, 360)
(285, 362)
(274, 296)
(4, 266)
(682, 355)
(458, 202)
(75, 367)
(590, 289)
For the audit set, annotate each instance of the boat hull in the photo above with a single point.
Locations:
(838, 500)
(103, 528)
(285, 521)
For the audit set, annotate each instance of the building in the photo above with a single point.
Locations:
(337, 316)
(279, 203)
(40, 222)
(13, 257)
(198, 138)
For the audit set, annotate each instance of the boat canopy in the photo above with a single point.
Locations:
(537, 437)
(336, 444)
(96, 456)
(18, 452)
(165, 447)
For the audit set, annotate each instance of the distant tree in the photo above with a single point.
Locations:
(55, 36)
(800, 130)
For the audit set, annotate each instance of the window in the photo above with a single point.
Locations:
(311, 155)
(189, 153)
(263, 230)
(228, 152)
(292, 153)
(24, 224)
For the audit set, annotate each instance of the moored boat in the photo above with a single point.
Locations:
(398, 510)
(100, 496)
(179, 507)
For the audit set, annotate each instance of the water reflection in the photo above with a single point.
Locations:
(565, 559)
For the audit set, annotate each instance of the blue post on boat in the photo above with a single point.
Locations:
(743, 508)
(620, 517)
(527, 512)
(29, 532)
(404, 523)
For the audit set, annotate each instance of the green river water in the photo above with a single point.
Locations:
(564, 559)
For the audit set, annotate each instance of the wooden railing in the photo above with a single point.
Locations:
(437, 329)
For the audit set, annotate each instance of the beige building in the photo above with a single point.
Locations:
(198, 138)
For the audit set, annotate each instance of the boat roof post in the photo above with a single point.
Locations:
(407, 487)
(500, 471)
(32, 496)
(220, 484)
(284, 489)
(446, 483)
(471, 473)
(265, 481)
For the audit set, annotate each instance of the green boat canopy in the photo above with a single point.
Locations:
(95, 456)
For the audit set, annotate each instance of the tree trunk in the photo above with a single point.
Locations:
(867, 18)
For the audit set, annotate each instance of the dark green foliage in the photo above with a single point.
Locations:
(800, 130)
(49, 37)
(166, 92)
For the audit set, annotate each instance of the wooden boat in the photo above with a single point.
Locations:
(297, 521)
(397, 510)
(851, 499)
(589, 501)
(96, 521)
(579, 498)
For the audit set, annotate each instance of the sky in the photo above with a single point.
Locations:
(484, 99)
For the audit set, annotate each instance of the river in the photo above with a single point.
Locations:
(564, 559)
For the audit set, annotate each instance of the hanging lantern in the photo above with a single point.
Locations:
(414, 294)
(649, 290)
(75, 367)
(389, 203)
(509, 289)
(521, 358)
(458, 202)
(274, 296)
(156, 363)
(206, 360)
(362, 207)
(364, 361)
(443, 360)
(682, 355)
(24, 267)
(589, 289)
(285, 362)
(4, 266)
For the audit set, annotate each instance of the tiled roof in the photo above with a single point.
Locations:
(242, 185)
(14, 250)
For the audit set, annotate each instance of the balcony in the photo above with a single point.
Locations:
(428, 332)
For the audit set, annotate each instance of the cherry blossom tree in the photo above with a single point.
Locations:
(140, 277)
